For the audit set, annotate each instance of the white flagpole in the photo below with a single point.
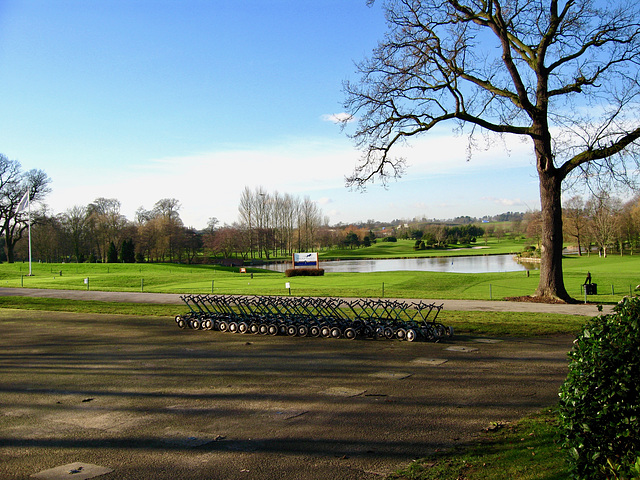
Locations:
(25, 203)
(29, 222)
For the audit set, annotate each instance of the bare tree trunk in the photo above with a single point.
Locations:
(579, 247)
(551, 279)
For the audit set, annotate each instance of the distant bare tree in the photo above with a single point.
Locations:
(248, 215)
(105, 224)
(635, 216)
(603, 225)
(309, 221)
(74, 221)
(534, 226)
(575, 220)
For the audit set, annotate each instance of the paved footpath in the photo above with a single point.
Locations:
(174, 299)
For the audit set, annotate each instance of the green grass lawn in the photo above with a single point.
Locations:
(404, 249)
(616, 276)
(499, 324)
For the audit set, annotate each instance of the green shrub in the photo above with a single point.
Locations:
(304, 272)
(614, 471)
(600, 399)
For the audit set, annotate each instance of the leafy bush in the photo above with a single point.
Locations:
(600, 399)
(389, 239)
(616, 472)
(304, 272)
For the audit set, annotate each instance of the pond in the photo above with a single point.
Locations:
(465, 264)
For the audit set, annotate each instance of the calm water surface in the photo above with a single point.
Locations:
(468, 264)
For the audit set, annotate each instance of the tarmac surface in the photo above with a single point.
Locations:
(126, 397)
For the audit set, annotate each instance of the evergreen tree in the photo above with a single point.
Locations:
(112, 253)
(128, 251)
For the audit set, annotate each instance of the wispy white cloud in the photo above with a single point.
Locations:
(505, 202)
(208, 184)
(444, 153)
(342, 117)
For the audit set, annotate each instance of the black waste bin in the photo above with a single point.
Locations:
(591, 288)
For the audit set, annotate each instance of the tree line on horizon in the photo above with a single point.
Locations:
(268, 225)
(98, 232)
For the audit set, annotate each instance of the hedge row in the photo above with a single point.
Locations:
(304, 272)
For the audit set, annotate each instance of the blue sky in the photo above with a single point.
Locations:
(141, 100)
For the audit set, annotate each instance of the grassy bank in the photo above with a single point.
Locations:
(525, 450)
(616, 276)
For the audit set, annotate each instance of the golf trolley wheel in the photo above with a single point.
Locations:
(254, 328)
(292, 331)
(207, 324)
(233, 327)
(282, 329)
(181, 323)
(303, 330)
(388, 333)
(243, 327)
(263, 329)
(411, 335)
(336, 332)
(223, 326)
(178, 318)
(440, 329)
(428, 332)
(401, 334)
(195, 324)
(325, 331)
(273, 329)
(449, 331)
(314, 331)
(350, 333)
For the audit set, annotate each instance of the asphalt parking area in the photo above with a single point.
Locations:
(142, 399)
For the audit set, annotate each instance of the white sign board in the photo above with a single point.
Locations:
(305, 259)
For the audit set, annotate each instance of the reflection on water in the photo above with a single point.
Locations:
(468, 264)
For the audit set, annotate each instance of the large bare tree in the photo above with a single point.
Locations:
(14, 184)
(564, 75)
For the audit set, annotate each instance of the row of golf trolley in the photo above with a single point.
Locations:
(315, 317)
